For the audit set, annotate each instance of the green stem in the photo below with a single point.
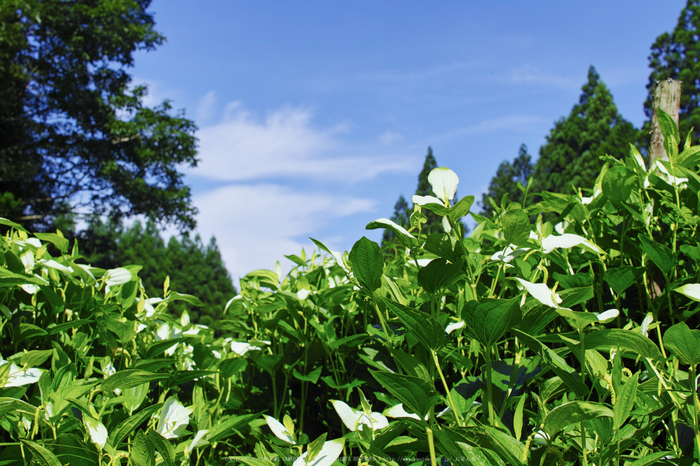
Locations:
(489, 386)
(431, 445)
(447, 389)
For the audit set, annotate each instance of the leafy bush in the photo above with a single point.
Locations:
(524, 343)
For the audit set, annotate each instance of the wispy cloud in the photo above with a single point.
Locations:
(529, 74)
(285, 144)
(256, 225)
(511, 123)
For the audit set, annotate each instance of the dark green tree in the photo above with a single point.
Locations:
(594, 128)
(402, 216)
(192, 267)
(74, 131)
(677, 56)
(434, 222)
(506, 181)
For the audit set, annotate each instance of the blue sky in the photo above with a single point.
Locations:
(315, 116)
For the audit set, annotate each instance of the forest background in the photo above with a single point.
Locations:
(85, 150)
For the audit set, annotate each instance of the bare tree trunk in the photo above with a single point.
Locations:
(667, 97)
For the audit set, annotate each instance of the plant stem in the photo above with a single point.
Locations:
(431, 445)
(489, 386)
(447, 389)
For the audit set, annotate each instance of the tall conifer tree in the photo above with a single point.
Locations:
(506, 181)
(677, 56)
(571, 156)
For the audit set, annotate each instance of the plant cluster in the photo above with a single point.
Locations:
(527, 342)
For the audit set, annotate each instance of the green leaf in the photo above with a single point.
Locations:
(422, 325)
(367, 263)
(188, 298)
(671, 134)
(618, 183)
(41, 454)
(129, 425)
(505, 445)
(566, 373)
(142, 450)
(624, 339)
(684, 343)
(573, 412)
(516, 226)
(438, 274)
(625, 401)
(690, 157)
(461, 209)
(130, 378)
(651, 458)
(57, 240)
(489, 320)
(402, 235)
(11, 224)
(621, 278)
(310, 377)
(417, 395)
(36, 357)
(659, 254)
(229, 425)
(164, 447)
(315, 447)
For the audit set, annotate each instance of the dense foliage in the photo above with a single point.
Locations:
(524, 343)
(192, 267)
(74, 131)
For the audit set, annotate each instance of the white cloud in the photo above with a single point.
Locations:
(285, 144)
(256, 225)
(206, 108)
(390, 137)
(529, 74)
(511, 123)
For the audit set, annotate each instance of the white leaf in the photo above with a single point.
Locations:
(352, 418)
(541, 292)
(303, 294)
(241, 347)
(97, 430)
(398, 411)
(279, 430)
(444, 183)
(117, 276)
(197, 440)
(19, 377)
(55, 265)
(452, 327)
(608, 315)
(567, 240)
(394, 225)
(174, 418)
(446, 224)
(691, 290)
(425, 200)
(326, 457)
(645, 323)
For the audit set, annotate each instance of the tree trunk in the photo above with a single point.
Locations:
(667, 97)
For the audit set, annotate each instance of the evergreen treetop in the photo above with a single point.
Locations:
(571, 157)
(506, 181)
(677, 56)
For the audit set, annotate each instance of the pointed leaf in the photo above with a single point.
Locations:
(659, 254)
(625, 401)
(684, 343)
(489, 320)
(516, 227)
(422, 325)
(42, 455)
(367, 263)
(439, 273)
(417, 395)
(573, 412)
